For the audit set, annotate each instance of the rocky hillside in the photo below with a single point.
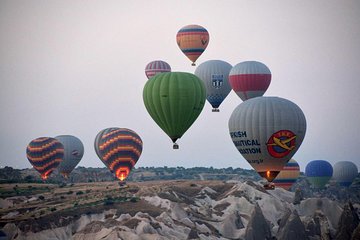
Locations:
(175, 210)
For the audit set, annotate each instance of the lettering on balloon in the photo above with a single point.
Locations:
(245, 146)
(257, 161)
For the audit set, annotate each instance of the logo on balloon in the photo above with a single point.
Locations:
(281, 143)
(217, 80)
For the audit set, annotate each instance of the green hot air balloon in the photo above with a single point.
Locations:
(174, 100)
(73, 152)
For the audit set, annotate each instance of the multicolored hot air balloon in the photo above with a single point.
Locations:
(192, 41)
(267, 131)
(174, 100)
(345, 172)
(288, 175)
(250, 79)
(318, 172)
(215, 74)
(45, 154)
(119, 149)
(73, 152)
(156, 67)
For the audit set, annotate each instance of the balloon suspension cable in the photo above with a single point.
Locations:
(176, 146)
(216, 110)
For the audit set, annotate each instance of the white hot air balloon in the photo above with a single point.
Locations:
(215, 75)
(73, 152)
(345, 172)
(267, 131)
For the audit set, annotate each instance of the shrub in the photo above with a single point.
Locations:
(79, 192)
(41, 197)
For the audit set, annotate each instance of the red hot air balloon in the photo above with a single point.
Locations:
(119, 149)
(45, 154)
(156, 67)
(250, 79)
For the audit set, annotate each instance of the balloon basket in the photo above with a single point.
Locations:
(269, 186)
(215, 110)
(122, 184)
(175, 146)
(193, 64)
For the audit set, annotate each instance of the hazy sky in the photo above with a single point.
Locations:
(77, 67)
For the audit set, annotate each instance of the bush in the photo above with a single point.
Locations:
(134, 199)
(70, 192)
(79, 192)
(41, 197)
(53, 209)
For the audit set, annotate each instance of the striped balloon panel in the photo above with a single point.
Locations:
(192, 40)
(156, 67)
(119, 149)
(318, 172)
(45, 155)
(288, 176)
(345, 172)
(73, 152)
(215, 76)
(250, 79)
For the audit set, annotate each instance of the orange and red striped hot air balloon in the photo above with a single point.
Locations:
(45, 154)
(192, 41)
(119, 149)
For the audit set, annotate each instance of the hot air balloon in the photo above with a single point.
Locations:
(73, 152)
(45, 154)
(288, 175)
(174, 100)
(156, 67)
(318, 172)
(215, 74)
(250, 79)
(267, 131)
(345, 172)
(119, 149)
(192, 40)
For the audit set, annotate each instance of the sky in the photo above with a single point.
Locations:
(77, 67)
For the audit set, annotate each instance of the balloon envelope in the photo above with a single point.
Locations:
(250, 79)
(267, 131)
(156, 67)
(45, 155)
(119, 149)
(215, 74)
(192, 41)
(174, 100)
(73, 152)
(288, 175)
(345, 172)
(318, 172)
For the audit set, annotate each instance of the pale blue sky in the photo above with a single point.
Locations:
(77, 67)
